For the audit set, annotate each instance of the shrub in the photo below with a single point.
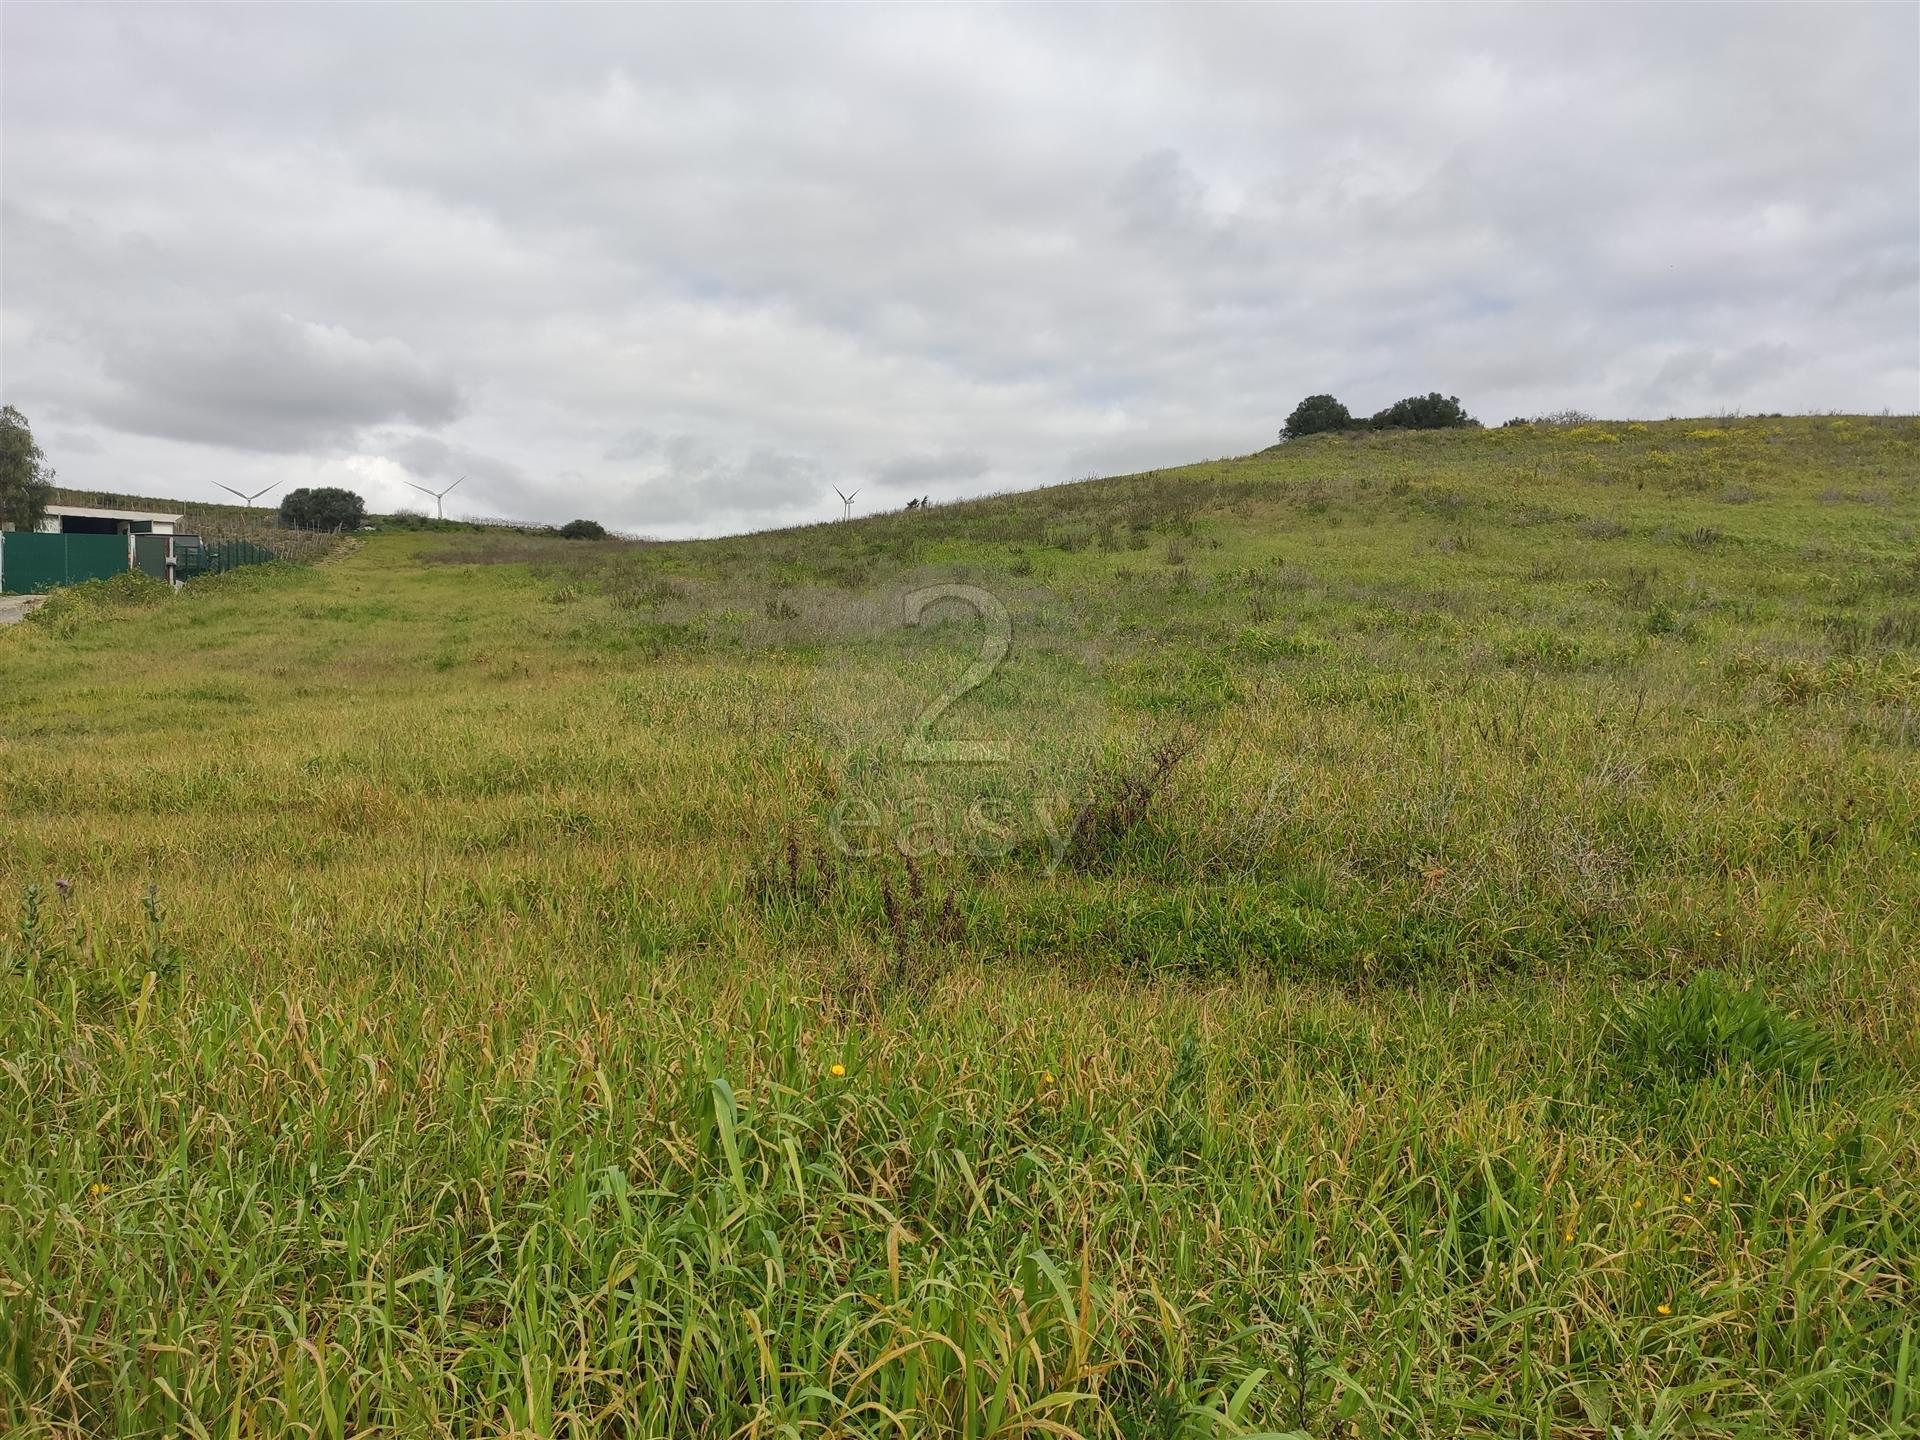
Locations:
(72, 608)
(1316, 415)
(325, 508)
(1118, 805)
(584, 530)
(1424, 412)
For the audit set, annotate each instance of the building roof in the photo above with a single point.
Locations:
(97, 512)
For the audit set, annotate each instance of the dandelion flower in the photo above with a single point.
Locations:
(96, 1189)
(837, 1070)
(1664, 1309)
(1638, 1203)
(1046, 1077)
(1687, 1198)
(1714, 1180)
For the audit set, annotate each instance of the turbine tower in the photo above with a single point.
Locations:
(439, 497)
(847, 501)
(248, 498)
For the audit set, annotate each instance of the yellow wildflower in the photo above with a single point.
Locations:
(1714, 1180)
(1046, 1077)
(1664, 1309)
(96, 1189)
(837, 1070)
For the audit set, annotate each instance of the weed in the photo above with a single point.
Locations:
(1175, 1134)
(1706, 1027)
(1120, 801)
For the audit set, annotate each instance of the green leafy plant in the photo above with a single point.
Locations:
(1709, 1026)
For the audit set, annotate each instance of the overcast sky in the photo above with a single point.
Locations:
(683, 271)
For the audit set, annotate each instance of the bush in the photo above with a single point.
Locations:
(1424, 412)
(70, 609)
(584, 530)
(1316, 415)
(325, 508)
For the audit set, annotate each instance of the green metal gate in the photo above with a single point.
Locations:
(31, 561)
(151, 554)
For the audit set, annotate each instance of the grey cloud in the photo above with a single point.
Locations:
(946, 467)
(633, 445)
(486, 484)
(685, 273)
(699, 482)
(262, 381)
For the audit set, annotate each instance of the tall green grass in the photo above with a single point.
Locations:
(1442, 963)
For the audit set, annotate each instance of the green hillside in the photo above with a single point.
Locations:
(1415, 936)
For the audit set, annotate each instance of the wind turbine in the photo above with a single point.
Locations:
(439, 497)
(248, 498)
(846, 500)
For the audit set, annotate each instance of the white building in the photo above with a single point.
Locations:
(96, 520)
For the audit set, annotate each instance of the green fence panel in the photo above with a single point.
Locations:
(192, 560)
(30, 561)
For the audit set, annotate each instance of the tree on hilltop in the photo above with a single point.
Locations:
(1424, 412)
(1316, 415)
(326, 507)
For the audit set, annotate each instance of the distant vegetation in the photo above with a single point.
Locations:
(583, 530)
(1316, 415)
(1432, 954)
(1322, 414)
(326, 508)
(26, 482)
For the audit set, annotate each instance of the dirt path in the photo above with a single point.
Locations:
(15, 608)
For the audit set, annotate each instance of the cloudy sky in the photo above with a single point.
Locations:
(685, 270)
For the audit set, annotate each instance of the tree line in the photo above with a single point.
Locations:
(1320, 414)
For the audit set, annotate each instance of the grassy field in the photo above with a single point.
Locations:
(1423, 939)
